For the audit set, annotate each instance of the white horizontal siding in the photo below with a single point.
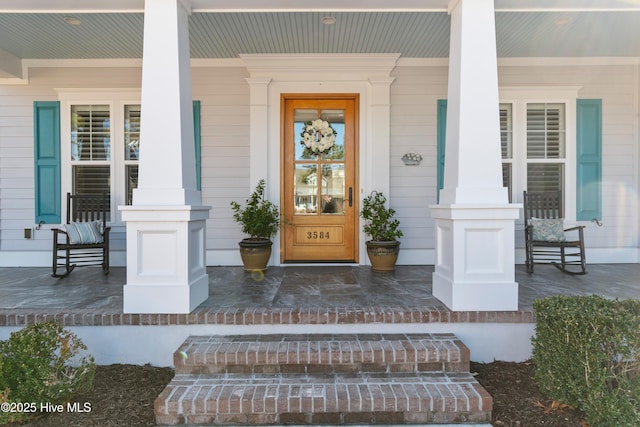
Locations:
(224, 97)
(617, 86)
(16, 169)
(414, 96)
(16, 148)
(225, 114)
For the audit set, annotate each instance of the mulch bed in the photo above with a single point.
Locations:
(517, 400)
(123, 395)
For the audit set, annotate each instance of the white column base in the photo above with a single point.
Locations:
(475, 257)
(475, 296)
(166, 267)
(163, 299)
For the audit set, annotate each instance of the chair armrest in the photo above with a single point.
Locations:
(580, 230)
(105, 234)
(57, 232)
(528, 234)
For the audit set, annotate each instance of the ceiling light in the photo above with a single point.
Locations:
(562, 21)
(328, 20)
(71, 20)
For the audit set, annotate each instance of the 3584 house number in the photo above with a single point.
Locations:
(314, 235)
(318, 235)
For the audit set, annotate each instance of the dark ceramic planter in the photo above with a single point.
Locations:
(255, 254)
(383, 255)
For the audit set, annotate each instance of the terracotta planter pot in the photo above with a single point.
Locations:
(255, 254)
(383, 255)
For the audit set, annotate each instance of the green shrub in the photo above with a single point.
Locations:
(4, 398)
(260, 218)
(587, 355)
(380, 222)
(43, 363)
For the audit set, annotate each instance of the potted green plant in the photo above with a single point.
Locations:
(383, 230)
(260, 219)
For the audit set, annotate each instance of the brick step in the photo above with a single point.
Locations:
(333, 399)
(322, 354)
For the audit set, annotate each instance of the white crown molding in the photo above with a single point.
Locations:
(334, 67)
(568, 61)
(423, 62)
(82, 63)
(217, 62)
(330, 65)
(137, 6)
(528, 62)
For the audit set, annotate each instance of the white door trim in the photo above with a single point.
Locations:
(367, 75)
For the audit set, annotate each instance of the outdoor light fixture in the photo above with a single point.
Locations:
(562, 21)
(328, 20)
(71, 20)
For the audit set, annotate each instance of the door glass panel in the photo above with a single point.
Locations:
(313, 131)
(314, 128)
(336, 119)
(300, 118)
(306, 189)
(333, 189)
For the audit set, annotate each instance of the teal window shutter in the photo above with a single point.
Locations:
(46, 118)
(589, 159)
(442, 136)
(196, 137)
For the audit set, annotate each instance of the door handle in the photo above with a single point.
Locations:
(350, 196)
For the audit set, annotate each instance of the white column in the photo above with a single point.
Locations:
(380, 148)
(259, 119)
(474, 221)
(166, 271)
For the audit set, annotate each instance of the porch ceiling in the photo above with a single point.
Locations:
(216, 32)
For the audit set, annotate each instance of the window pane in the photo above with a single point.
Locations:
(545, 177)
(131, 182)
(90, 132)
(306, 188)
(92, 180)
(506, 178)
(333, 189)
(546, 131)
(506, 131)
(131, 132)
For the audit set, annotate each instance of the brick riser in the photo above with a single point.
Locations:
(336, 379)
(322, 354)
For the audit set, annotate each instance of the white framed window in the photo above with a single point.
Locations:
(100, 138)
(537, 127)
(546, 146)
(506, 145)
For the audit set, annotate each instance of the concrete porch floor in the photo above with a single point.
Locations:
(290, 300)
(86, 289)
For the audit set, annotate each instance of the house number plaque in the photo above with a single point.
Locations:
(319, 235)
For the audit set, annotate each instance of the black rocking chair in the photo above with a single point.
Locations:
(84, 239)
(545, 238)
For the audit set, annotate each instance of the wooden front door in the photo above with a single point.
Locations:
(319, 188)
